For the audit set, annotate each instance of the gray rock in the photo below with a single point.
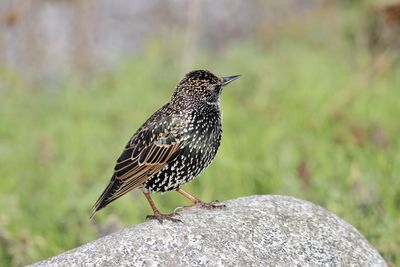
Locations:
(251, 231)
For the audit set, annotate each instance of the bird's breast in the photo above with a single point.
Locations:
(203, 135)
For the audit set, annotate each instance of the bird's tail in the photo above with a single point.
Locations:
(106, 197)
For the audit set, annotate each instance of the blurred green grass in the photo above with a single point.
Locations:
(308, 120)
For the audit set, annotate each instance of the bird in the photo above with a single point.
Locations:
(173, 146)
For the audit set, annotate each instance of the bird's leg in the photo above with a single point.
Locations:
(198, 203)
(156, 213)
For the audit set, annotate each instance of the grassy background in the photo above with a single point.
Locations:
(312, 118)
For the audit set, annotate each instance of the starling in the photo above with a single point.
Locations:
(174, 145)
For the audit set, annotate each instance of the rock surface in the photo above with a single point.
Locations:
(251, 231)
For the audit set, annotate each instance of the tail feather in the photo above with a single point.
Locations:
(106, 197)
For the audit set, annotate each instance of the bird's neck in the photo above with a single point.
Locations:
(193, 104)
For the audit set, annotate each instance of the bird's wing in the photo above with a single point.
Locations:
(148, 151)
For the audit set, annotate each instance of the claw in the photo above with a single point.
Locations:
(197, 202)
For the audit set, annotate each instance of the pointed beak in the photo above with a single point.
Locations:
(229, 79)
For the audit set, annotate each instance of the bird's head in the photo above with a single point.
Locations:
(202, 85)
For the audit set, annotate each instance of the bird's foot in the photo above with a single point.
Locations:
(163, 217)
(203, 205)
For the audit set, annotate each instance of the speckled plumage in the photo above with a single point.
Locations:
(175, 144)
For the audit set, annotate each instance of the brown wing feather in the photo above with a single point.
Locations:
(143, 170)
(148, 151)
